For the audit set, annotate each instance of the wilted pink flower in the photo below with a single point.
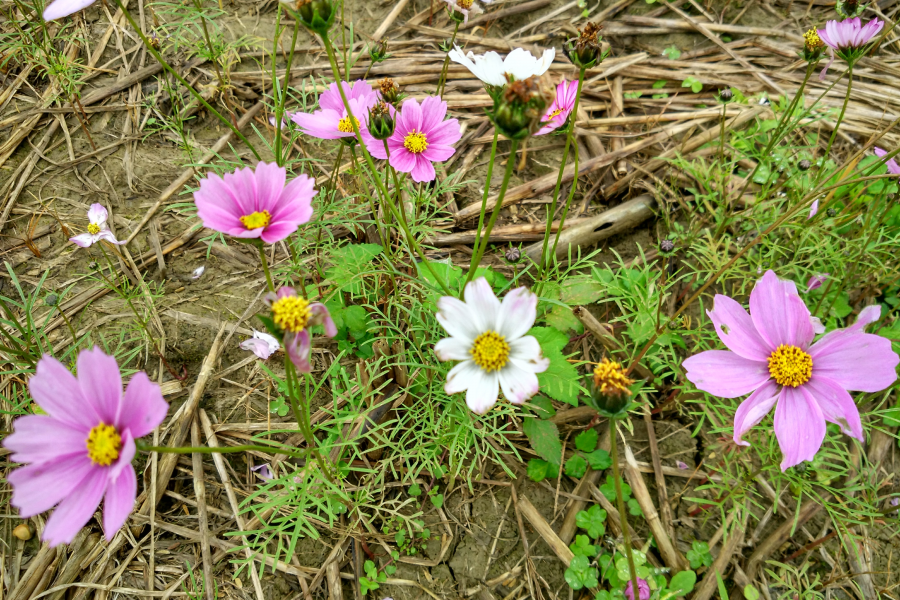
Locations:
(294, 315)
(261, 344)
(643, 590)
(489, 338)
(560, 108)
(846, 38)
(198, 272)
(816, 281)
(892, 166)
(465, 8)
(813, 209)
(681, 465)
(421, 136)
(80, 452)
(263, 471)
(772, 356)
(331, 121)
(255, 204)
(64, 8)
(97, 228)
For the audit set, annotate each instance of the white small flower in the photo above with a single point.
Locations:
(466, 8)
(489, 338)
(261, 344)
(97, 228)
(198, 272)
(492, 70)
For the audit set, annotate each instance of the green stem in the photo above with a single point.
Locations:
(484, 197)
(620, 501)
(265, 265)
(565, 212)
(562, 168)
(840, 119)
(442, 82)
(301, 414)
(183, 82)
(385, 243)
(486, 238)
(209, 45)
(220, 449)
(282, 98)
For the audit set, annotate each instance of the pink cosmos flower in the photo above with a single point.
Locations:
(64, 8)
(294, 315)
(97, 228)
(847, 37)
(643, 590)
(261, 344)
(331, 121)
(80, 452)
(561, 107)
(773, 359)
(255, 203)
(421, 136)
(892, 166)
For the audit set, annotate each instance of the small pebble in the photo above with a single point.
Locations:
(22, 532)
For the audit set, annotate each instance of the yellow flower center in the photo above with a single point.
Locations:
(345, 126)
(464, 4)
(256, 220)
(103, 445)
(609, 377)
(554, 114)
(813, 40)
(291, 313)
(490, 351)
(790, 366)
(415, 142)
(93, 229)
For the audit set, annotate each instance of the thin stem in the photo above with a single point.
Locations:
(479, 252)
(282, 98)
(68, 323)
(209, 45)
(620, 501)
(301, 414)
(183, 82)
(362, 186)
(265, 266)
(442, 82)
(840, 119)
(567, 205)
(222, 450)
(484, 197)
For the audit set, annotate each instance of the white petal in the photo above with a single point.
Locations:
(462, 376)
(456, 318)
(487, 67)
(97, 214)
(198, 272)
(526, 352)
(271, 341)
(518, 384)
(483, 392)
(517, 313)
(483, 304)
(452, 349)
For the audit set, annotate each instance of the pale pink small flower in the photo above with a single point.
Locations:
(846, 38)
(560, 108)
(489, 337)
(80, 452)
(294, 315)
(892, 166)
(771, 357)
(198, 272)
(681, 465)
(331, 121)
(421, 137)
(466, 8)
(250, 203)
(97, 228)
(813, 209)
(263, 471)
(643, 590)
(261, 344)
(816, 281)
(64, 8)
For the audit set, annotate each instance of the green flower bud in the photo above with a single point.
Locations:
(379, 51)
(587, 50)
(518, 110)
(849, 9)
(315, 15)
(610, 389)
(381, 123)
(390, 93)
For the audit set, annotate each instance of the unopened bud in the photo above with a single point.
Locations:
(315, 15)
(519, 109)
(513, 255)
(379, 51)
(381, 122)
(667, 245)
(804, 165)
(610, 388)
(51, 300)
(726, 95)
(831, 212)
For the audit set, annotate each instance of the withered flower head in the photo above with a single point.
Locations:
(379, 51)
(519, 108)
(587, 50)
(315, 15)
(390, 93)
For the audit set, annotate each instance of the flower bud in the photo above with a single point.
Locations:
(667, 246)
(513, 255)
(381, 123)
(315, 15)
(726, 95)
(154, 40)
(51, 300)
(518, 110)
(610, 388)
(813, 46)
(831, 212)
(804, 165)
(23, 532)
(587, 50)
(390, 93)
(379, 51)
(849, 9)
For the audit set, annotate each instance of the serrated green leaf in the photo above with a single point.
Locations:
(586, 441)
(576, 466)
(544, 438)
(542, 406)
(599, 459)
(348, 262)
(538, 469)
(561, 379)
(582, 289)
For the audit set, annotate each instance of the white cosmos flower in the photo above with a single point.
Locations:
(97, 228)
(261, 344)
(489, 338)
(492, 69)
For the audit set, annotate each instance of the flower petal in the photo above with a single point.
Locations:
(423, 170)
(753, 409)
(518, 383)
(64, 8)
(57, 391)
(101, 383)
(483, 304)
(778, 313)
(461, 377)
(526, 352)
(97, 214)
(483, 392)
(799, 426)
(298, 347)
(452, 348)
(725, 374)
(517, 313)
(861, 362)
(85, 240)
(76, 509)
(39, 438)
(119, 501)
(143, 408)
(837, 405)
(37, 488)
(456, 318)
(736, 330)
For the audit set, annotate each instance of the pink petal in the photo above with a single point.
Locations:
(753, 409)
(270, 180)
(517, 313)
(411, 115)
(437, 153)
(217, 207)
(97, 214)
(76, 509)
(143, 408)
(58, 393)
(518, 384)
(433, 112)
(119, 501)
(799, 426)
(38, 487)
(39, 438)
(319, 315)
(126, 455)
(331, 98)
(736, 330)
(84, 240)
(423, 171)
(403, 160)
(64, 8)
(778, 313)
(482, 303)
(837, 405)
(813, 209)
(259, 347)
(375, 147)
(445, 134)
(298, 347)
(861, 362)
(101, 383)
(725, 374)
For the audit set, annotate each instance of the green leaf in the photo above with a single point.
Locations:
(586, 441)
(400, 538)
(560, 380)
(750, 592)
(451, 275)
(693, 83)
(370, 569)
(561, 317)
(582, 289)
(682, 583)
(348, 262)
(544, 438)
(672, 53)
(580, 574)
(699, 555)
(538, 469)
(592, 520)
(356, 319)
(582, 546)
(608, 489)
(659, 84)
(634, 508)
(576, 466)
(542, 406)
(599, 459)
(415, 490)
(891, 417)
(437, 500)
